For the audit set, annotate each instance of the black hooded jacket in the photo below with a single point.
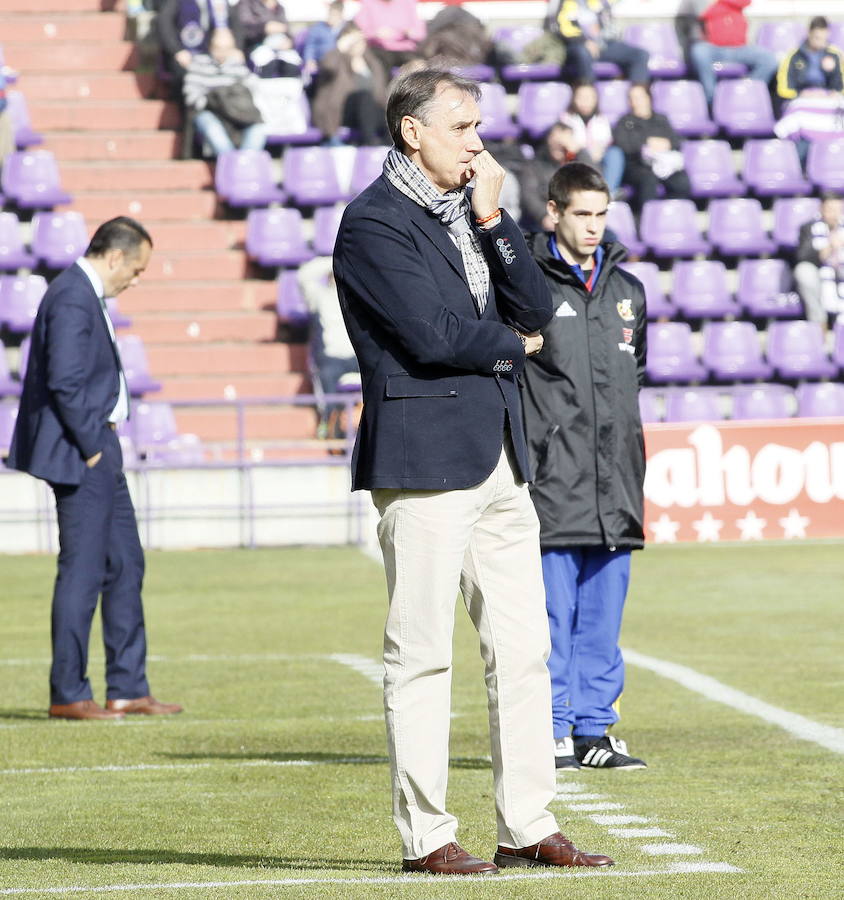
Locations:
(581, 406)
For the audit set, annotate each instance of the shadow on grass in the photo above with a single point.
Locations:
(106, 857)
(29, 714)
(455, 762)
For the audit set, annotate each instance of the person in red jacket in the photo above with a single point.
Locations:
(725, 40)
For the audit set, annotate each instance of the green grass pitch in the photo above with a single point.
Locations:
(274, 782)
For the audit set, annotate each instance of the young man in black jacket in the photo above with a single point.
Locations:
(584, 434)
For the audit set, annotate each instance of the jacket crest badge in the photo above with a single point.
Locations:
(625, 309)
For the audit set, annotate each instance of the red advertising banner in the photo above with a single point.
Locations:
(745, 481)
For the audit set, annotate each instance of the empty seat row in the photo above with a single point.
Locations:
(58, 238)
(31, 180)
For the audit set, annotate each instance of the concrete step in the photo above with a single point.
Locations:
(197, 296)
(70, 56)
(97, 206)
(190, 236)
(164, 175)
(226, 359)
(221, 387)
(88, 85)
(95, 115)
(261, 423)
(172, 265)
(254, 327)
(109, 145)
(23, 7)
(65, 26)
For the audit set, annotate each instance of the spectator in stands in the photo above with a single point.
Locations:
(331, 353)
(586, 28)
(725, 40)
(350, 90)
(456, 37)
(185, 28)
(261, 19)
(322, 37)
(591, 131)
(216, 94)
(651, 151)
(819, 272)
(392, 29)
(815, 65)
(74, 396)
(581, 399)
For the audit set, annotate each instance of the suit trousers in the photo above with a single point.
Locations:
(483, 540)
(99, 553)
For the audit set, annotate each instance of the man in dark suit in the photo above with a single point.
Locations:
(442, 302)
(74, 396)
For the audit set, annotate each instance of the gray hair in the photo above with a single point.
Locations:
(413, 94)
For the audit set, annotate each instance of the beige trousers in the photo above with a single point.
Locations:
(483, 540)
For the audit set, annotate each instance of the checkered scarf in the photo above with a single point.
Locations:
(452, 209)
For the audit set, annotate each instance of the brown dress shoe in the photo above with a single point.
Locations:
(449, 860)
(144, 706)
(555, 850)
(82, 709)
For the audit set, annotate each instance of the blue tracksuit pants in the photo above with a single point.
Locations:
(585, 589)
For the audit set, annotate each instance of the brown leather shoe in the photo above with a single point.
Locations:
(144, 706)
(555, 850)
(82, 709)
(449, 860)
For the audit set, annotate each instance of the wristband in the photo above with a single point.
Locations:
(488, 218)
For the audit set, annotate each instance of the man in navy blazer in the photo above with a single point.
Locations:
(74, 396)
(442, 302)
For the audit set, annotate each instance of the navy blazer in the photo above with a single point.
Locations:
(439, 380)
(71, 384)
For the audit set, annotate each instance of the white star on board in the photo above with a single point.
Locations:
(665, 530)
(708, 528)
(751, 526)
(794, 525)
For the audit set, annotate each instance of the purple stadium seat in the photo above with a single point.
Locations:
(762, 401)
(31, 180)
(650, 405)
(669, 228)
(836, 33)
(298, 136)
(496, 122)
(684, 103)
(157, 440)
(58, 238)
(540, 105)
(772, 168)
(671, 354)
(368, 165)
(310, 177)
(513, 40)
(796, 350)
(117, 317)
(825, 165)
(826, 400)
(20, 297)
(700, 290)
(8, 414)
(13, 254)
(245, 178)
(660, 40)
(838, 349)
(605, 70)
(620, 221)
(289, 304)
(732, 352)
(736, 228)
(658, 306)
(709, 165)
(274, 237)
(693, 405)
(22, 129)
(326, 225)
(133, 358)
(765, 289)
(780, 37)
(8, 386)
(789, 214)
(477, 72)
(612, 99)
(743, 108)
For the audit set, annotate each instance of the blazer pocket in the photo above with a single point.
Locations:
(400, 385)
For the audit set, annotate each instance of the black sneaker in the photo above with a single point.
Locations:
(564, 757)
(605, 752)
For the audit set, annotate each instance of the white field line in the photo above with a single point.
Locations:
(671, 849)
(799, 726)
(152, 767)
(433, 881)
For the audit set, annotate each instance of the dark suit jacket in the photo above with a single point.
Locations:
(71, 384)
(439, 381)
